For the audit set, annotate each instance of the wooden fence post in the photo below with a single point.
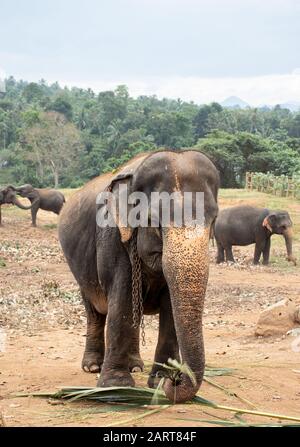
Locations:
(249, 181)
(269, 183)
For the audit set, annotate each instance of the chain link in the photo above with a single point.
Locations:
(137, 291)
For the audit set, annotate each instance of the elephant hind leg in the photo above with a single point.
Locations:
(95, 345)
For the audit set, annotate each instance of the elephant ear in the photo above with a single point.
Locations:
(269, 222)
(121, 179)
(124, 177)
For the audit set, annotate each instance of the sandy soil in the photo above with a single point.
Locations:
(43, 320)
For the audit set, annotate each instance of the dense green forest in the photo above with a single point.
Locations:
(53, 136)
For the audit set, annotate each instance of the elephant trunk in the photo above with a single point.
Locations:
(185, 266)
(288, 237)
(16, 202)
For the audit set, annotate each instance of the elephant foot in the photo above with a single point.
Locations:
(136, 364)
(292, 259)
(112, 377)
(92, 362)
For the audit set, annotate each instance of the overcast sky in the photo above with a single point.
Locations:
(200, 50)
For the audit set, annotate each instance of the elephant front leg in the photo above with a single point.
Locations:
(259, 247)
(95, 346)
(34, 210)
(167, 346)
(229, 254)
(119, 336)
(221, 254)
(136, 363)
(266, 252)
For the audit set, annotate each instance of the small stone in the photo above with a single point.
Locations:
(277, 319)
(294, 332)
(55, 402)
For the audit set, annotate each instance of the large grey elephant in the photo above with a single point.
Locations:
(245, 225)
(44, 199)
(8, 195)
(165, 267)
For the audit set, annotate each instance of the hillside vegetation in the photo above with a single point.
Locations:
(53, 136)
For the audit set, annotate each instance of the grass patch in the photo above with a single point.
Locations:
(50, 226)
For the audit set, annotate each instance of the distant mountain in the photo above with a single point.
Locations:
(233, 102)
(293, 106)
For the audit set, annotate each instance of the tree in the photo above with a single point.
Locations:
(113, 127)
(62, 105)
(53, 144)
(223, 150)
(33, 92)
(201, 119)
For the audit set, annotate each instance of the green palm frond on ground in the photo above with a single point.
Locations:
(143, 397)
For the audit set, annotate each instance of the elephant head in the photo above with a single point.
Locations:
(279, 222)
(25, 190)
(179, 253)
(8, 195)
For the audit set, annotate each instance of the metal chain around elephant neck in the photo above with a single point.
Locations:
(137, 290)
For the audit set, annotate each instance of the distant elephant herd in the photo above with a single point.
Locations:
(44, 199)
(124, 272)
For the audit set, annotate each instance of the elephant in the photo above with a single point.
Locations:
(8, 195)
(45, 199)
(245, 225)
(163, 268)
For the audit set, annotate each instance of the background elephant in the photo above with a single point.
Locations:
(46, 199)
(8, 195)
(245, 225)
(167, 265)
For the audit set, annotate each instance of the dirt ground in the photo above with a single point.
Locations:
(42, 319)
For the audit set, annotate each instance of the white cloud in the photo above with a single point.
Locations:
(269, 89)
